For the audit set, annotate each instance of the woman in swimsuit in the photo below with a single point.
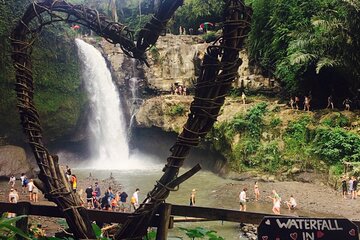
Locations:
(276, 202)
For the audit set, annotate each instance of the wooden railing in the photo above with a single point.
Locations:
(163, 220)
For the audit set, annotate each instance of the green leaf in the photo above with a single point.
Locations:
(96, 230)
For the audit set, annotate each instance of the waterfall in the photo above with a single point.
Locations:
(109, 143)
(135, 100)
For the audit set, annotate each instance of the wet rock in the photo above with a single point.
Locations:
(13, 161)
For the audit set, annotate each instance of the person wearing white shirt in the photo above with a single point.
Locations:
(243, 198)
(135, 199)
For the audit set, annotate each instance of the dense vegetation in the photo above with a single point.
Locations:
(260, 139)
(308, 45)
(56, 73)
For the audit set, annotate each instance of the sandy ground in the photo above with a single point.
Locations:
(312, 199)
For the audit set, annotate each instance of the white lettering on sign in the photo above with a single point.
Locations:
(308, 236)
(310, 224)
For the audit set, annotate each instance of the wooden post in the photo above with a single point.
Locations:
(162, 230)
(23, 209)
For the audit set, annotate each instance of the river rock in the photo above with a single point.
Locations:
(295, 170)
(13, 161)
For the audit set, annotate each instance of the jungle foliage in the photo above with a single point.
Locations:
(259, 139)
(295, 40)
(58, 92)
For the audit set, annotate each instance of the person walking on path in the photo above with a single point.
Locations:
(97, 190)
(344, 186)
(297, 102)
(307, 103)
(351, 186)
(346, 103)
(192, 197)
(31, 188)
(330, 102)
(73, 182)
(276, 202)
(123, 200)
(135, 199)
(355, 183)
(35, 194)
(243, 199)
(243, 97)
(24, 182)
(256, 191)
(292, 102)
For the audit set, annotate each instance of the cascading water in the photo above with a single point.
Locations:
(107, 124)
(135, 100)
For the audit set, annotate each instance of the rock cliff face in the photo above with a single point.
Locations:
(13, 161)
(177, 59)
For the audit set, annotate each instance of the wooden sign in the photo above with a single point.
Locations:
(283, 228)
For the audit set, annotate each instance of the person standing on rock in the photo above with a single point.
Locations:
(243, 198)
(24, 182)
(12, 181)
(89, 196)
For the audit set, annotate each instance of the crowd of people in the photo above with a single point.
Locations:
(296, 104)
(349, 187)
(275, 198)
(111, 200)
(178, 89)
(93, 198)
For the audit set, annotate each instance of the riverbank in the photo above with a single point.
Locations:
(314, 199)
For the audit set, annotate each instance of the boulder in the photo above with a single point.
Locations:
(13, 161)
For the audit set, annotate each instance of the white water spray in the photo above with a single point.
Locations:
(106, 123)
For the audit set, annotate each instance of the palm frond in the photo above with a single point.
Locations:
(326, 62)
(354, 3)
(301, 57)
